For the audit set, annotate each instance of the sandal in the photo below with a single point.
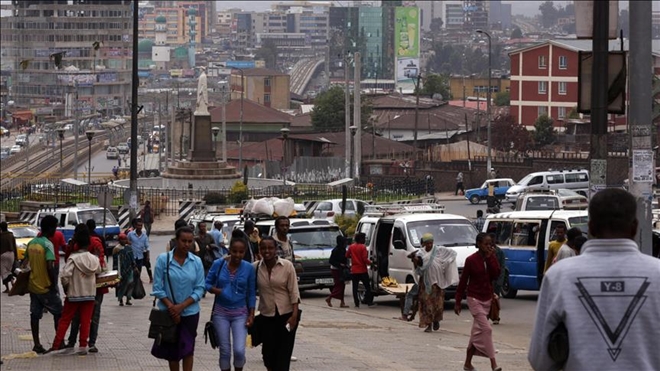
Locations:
(428, 329)
(329, 301)
(344, 306)
(469, 369)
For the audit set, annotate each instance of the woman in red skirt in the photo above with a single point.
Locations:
(338, 262)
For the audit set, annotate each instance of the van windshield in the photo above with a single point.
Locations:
(97, 215)
(445, 232)
(526, 179)
(325, 237)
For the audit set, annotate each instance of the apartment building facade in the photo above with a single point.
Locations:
(178, 20)
(262, 85)
(544, 79)
(101, 78)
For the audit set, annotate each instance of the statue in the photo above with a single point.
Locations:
(202, 95)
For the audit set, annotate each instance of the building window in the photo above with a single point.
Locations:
(267, 81)
(266, 98)
(543, 87)
(543, 110)
(562, 88)
(542, 63)
(563, 62)
(561, 112)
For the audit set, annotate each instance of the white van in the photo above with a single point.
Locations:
(396, 236)
(524, 236)
(576, 180)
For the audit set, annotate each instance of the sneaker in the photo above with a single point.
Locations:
(82, 351)
(294, 359)
(496, 322)
(68, 345)
(93, 349)
(39, 349)
(371, 305)
(128, 302)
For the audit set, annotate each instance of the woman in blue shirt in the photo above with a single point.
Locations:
(233, 283)
(179, 294)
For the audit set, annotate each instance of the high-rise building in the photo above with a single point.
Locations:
(94, 38)
(499, 15)
(454, 16)
(476, 14)
(178, 20)
(429, 10)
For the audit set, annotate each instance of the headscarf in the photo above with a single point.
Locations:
(438, 267)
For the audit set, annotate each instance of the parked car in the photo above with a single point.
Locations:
(112, 153)
(21, 140)
(328, 209)
(4, 153)
(4, 132)
(15, 149)
(501, 185)
(559, 199)
(577, 180)
(123, 148)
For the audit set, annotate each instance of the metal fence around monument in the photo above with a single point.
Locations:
(165, 201)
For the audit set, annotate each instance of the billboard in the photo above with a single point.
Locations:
(406, 47)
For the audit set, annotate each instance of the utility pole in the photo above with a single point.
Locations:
(599, 88)
(224, 124)
(419, 79)
(133, 200)
(639, 116)
(347, 116)
(357, 112)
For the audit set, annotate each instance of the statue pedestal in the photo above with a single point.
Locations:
(202, 140)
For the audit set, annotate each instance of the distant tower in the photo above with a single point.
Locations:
(160, 53)
(192, 23)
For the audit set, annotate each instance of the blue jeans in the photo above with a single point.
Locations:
(236, 325)
(414, 291)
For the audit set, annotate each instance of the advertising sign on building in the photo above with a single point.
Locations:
(406, 47)
(240, 64)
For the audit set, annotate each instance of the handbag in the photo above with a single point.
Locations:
(162, 327)
(209, 330)
(20, 286)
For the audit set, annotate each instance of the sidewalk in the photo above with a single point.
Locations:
(328, 339)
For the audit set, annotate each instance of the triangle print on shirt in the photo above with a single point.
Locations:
(613, 303)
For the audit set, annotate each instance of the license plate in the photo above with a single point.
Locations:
(322, 281)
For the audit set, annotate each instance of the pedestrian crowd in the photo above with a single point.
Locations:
(577, 273)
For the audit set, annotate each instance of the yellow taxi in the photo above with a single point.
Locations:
(23, 233)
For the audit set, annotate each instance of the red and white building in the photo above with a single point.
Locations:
(544, 79)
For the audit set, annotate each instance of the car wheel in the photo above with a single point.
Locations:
(474, 199)
(507, 291)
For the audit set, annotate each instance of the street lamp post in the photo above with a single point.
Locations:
(285, 135)
(215, 131)
(240, 124)
(224, 124)
(490, 65)
(353, 130)
(60, 133)
(90, 136)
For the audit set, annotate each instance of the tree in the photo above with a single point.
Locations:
(436, 24)
(268, 53)
(503, 98)
(328, 113)
(516, 34)
(436, 84)
(507, 135)
(549, 14)
(544, 132)
(573, 114)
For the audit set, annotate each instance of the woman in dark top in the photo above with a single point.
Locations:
(481, 269)
(338, 263)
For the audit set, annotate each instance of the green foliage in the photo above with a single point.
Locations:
(436, 24)
(347, 224)
(328, 113)
(544, 132)
(451, 58)
(517, 33)
(436, 84)
(268, 53)
(507, 135)
(215, 198)
(238, 192)
(503, 98)
(573, 114)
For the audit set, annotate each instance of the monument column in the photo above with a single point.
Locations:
(202, 137)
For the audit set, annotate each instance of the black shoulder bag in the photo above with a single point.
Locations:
(256, 331)
(162, 327)
(209, 330)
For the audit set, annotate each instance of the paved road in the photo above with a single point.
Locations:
(329, 338)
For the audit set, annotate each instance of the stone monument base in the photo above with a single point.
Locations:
(200, 173)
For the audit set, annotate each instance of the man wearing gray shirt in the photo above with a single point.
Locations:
(607, 297)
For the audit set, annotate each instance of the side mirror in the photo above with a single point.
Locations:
(399, 245)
